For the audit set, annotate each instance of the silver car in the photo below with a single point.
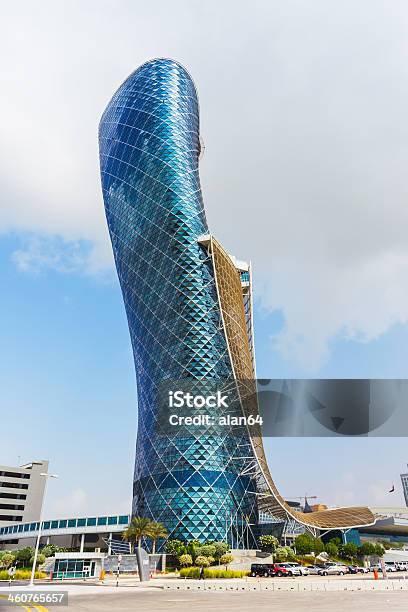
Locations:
(297, 569)
(335, 569)
(314, 569)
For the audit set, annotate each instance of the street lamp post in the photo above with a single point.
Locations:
(37, 545)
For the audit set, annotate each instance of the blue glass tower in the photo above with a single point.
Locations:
(189, 309)
(149, 155)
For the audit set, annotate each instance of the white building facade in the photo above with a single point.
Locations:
(21, 492)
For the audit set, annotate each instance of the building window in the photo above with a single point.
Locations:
(12, 496)
(11, 507)
(14, 485)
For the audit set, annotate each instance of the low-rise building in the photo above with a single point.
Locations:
(21, 492)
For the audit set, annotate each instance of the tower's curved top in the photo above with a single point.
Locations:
(167, 92)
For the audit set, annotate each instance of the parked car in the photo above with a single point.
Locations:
(288, 569)
(333, 569)
(390, 566)
(262, 569)
(357, 569)
(402, 566)
(298, 567)
(314, 569)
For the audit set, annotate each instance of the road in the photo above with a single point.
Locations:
(157, 600)
(160, 601)
(129, 597)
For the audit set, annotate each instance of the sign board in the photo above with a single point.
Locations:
(11, 571)
(143, 564)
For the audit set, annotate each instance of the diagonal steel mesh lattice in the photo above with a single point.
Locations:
(149, 149)
(188, 304)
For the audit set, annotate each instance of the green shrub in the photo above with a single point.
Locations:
(220, 549)
(281, 554)
(175, 547)
(21, 575)
(40, 559)
(331, 549)
(194, 572)
(348, 551)
(23, 556)
(207, 550)
(290, 553)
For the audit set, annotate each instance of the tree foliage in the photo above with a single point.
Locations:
(268, 543)
(202, 561)
(281, 554)
(348, 551)
(221, 548)
(137, 529)
(207, 550)
(6, 559)
(40, 560)
(49, 550)
(226, 560)
(23, 556)
(185, 560)
(156, 531)
(175, 547)
(331, 549)
(366, 549)
(306, 544)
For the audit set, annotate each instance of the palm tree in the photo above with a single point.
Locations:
(137, 529)
(156, 531)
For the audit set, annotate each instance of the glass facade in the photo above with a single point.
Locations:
(149, 152)
(75, 523)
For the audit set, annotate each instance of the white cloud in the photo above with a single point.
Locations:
(41, 252)
(303, 115)
(46, 253)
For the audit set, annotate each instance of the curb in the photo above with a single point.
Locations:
(350, 585)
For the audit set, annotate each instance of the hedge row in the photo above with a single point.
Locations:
(21, 575)
(194, 572)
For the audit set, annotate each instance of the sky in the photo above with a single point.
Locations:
(303, 118)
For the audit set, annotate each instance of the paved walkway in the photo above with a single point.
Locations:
(163, 595)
